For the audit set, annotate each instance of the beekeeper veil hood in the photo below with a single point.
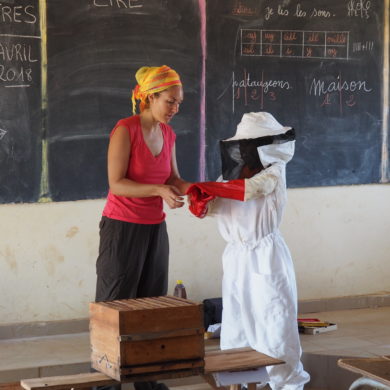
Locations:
(260, 141)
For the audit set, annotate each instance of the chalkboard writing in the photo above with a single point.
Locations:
(67, 70)
(20, 103)
(316, 68)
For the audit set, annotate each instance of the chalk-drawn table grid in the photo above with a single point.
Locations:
(295, 43)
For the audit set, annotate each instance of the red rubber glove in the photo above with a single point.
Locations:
(198, 201)
(199, 194)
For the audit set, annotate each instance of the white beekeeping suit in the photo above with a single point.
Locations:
(259, 287)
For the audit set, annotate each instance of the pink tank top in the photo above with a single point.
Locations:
(143, 168)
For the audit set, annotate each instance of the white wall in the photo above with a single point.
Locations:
(339, 238)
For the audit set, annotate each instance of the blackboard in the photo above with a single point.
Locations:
(67, 69)
(94, 50)
(66, 74)
(316, 66)
(20, 102)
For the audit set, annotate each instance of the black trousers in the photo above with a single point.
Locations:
(132, 263)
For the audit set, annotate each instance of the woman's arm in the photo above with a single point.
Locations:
(118, 162)
(175, 179)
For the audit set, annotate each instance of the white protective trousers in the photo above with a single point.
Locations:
(259, 287)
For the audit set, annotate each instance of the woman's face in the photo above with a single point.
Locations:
(165, 105)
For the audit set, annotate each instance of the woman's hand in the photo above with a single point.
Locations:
(171, 196)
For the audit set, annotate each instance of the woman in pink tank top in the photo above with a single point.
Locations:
(142, 173)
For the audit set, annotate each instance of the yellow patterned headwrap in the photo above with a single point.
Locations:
(151, 80)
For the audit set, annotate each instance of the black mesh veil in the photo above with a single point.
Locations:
(236, 154)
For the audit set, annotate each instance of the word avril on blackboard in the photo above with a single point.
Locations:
(14, 67)
(19, 49)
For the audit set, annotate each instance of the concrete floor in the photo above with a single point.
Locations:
(360, 333)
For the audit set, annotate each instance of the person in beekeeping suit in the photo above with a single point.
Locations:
(259, 288)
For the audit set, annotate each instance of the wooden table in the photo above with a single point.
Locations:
(375, 370)
(240, 359)
(11, 386)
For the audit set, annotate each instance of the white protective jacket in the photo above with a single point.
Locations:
(259, 288)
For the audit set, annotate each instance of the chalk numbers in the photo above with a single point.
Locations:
(272, 96)
(348, 100)
(256, 94)
(13, 75)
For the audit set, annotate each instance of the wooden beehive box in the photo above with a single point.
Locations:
(144, 338)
